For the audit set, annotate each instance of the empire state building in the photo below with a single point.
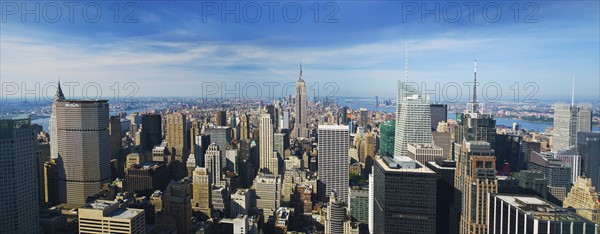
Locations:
(300, 108)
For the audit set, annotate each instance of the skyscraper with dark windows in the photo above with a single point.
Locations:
(300, 111)
(439, 113)
(18, 176)
(588, 145)
(473, 124)
(404, 196)
(386, 141)
(221, 118)
(151, 134)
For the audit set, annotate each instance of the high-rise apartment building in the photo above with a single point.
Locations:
(177, 136)
(18, 176)
(201, 186)
(568, 121)
(404, 196)
(83, 148)
(475, 178)
(300, 110)
(413, 120)
(588, 145)
(269, 164)
(333, 160)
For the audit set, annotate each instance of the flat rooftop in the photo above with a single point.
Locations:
(333, 127)
(538, 208)
(402, 164)
(124, 213)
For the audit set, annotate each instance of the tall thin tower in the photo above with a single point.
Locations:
(473, 124)
(300, 108)
(413, 117)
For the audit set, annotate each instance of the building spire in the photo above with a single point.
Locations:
(406, 62)
(300, 69)
(475, 82)
(573, 92)
(59, 93)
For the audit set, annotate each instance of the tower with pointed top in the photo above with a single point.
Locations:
(59, 96)
(81, 144)
(300, 108)
(568, 120)
(473, 123)
(413, 117)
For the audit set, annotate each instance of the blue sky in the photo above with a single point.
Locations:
(173, 48)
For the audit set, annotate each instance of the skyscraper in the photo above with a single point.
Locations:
(588, 145)
(439, 113)
(178, 197)
(413, 119)
(268, 193)
(114, 131)
(221, 118)
(18, 176)
(336, 221)
(268, 160)
(300, 111)
(363, 117)
(59, 96)
(244, 127)
(475, 177)
(568, 120)
(177, 135)
(404, 196)
(387, 139)
(151, 134)
(333, 160)
(473, 124)
(213, 164)
(83, 147)
(584, 198)
(201, 186)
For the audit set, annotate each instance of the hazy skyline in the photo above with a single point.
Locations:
(172, 51)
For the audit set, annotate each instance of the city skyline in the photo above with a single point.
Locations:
(191, 48)
(300, 117)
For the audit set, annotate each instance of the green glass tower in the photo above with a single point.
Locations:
(386, 142)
